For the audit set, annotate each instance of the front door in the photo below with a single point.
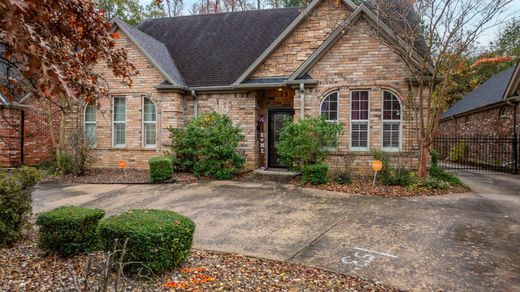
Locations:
(275, 124)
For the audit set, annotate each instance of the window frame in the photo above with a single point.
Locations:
(367, 121)
(85, 122)
(331, 148)
(383, 121)
(143, 123)
(114, 145)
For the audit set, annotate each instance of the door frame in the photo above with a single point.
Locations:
(270, 138)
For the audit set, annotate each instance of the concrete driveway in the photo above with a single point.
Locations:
(457, 242)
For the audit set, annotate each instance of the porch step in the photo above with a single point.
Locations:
(274, 174)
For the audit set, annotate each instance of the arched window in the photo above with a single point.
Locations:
(329, 107)
(149, 123)
(391, 121)
(90, 123)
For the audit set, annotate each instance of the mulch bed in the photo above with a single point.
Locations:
(386, 191)
(363, 186)
(26, 268)
(117, 176)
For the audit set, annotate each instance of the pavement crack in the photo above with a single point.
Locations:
(326, 231)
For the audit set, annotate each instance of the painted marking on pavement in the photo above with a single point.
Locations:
(381, 253)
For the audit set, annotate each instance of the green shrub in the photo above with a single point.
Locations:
(315, 174)
(440, 174)
(207, 146)
(66, 164)
(458, 152)
(435, 157)
(67, 230)
(157, 238)
(161, 168)
(15, 202)
(390, 175)
(306, 142)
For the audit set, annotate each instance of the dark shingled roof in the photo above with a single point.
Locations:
(487, 93)
(215, 49)
(157, 50)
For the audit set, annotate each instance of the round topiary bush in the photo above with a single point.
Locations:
(159, 239)
(67, 230)
(161, 168)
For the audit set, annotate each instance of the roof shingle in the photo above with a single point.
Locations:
(215, 49)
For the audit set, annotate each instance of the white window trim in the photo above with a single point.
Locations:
(330, 148)
(114, 145)
(143, 123)
(85, 122)
(400, 121)
(359, 121)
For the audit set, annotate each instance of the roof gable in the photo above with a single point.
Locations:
(214, 49)
(155, 51)
(283, 36)
(487, 93)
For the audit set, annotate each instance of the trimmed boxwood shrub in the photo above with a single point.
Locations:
(316, 174)
(68, 229)
(159, 239)
(161, 168)
(15, 202)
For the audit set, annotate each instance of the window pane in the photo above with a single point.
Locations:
(119, 109)
(359, 105)
(149, 111)
(90, 113)
(391, 106)
(90, 132)
(359, 135)
(149, 134)
(119, 134)
(329, 107)
(391, 133)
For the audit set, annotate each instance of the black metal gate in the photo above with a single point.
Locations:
(478, 153)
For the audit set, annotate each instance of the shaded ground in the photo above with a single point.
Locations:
(453, 242)
(24, 267)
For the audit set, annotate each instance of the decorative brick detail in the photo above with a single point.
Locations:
(306, 38)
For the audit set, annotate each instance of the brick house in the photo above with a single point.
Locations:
(493, 108)
(24, 133)
(258, 67)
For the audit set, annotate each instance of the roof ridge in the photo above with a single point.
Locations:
(219, 13)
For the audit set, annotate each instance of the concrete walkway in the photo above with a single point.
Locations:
(462, 242)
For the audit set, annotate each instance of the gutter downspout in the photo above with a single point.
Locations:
(515, 104)
(195, 104)
(302, 101)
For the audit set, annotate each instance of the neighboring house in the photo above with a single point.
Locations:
(258, 67)
(492, 109)
(24, 133)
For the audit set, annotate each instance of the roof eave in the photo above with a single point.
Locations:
(476, 110)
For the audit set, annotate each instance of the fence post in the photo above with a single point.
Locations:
(515, 153)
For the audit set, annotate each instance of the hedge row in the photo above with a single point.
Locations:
(158, 239)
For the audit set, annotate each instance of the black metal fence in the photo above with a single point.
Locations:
(478, 153)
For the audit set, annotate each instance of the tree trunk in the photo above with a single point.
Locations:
(424, 155)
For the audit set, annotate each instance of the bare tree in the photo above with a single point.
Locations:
(174, 7)
(431, 38)
(218, 6)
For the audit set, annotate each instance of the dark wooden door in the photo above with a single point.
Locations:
(275, 124)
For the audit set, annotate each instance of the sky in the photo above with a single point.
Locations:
(512, 10)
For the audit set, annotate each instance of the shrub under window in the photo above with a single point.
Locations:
(67, 230)
(207, 146)
(158, 239)
(306, 142)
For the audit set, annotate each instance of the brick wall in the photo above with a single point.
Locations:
(495, 121)
(307, 37)
(170, 107)
(358, 61)
(37, 142)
